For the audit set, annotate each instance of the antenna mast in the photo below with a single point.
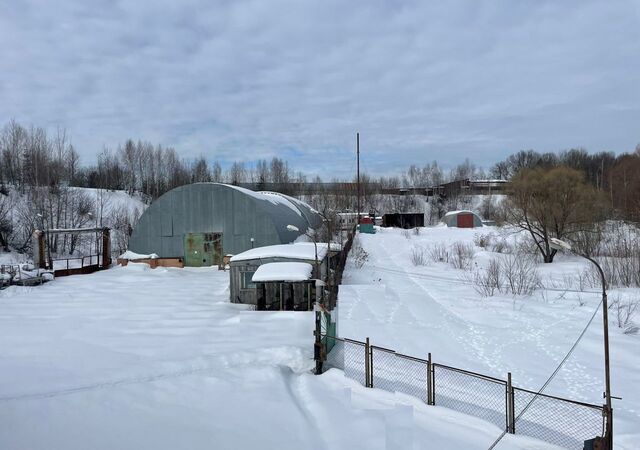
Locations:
(358, 172)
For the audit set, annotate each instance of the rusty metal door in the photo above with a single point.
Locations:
(465, 221)
(202, 249)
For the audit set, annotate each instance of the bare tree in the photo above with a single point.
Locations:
(6, 223)
(216, 173)
(551, 203)
(200, 171)
(237, 173)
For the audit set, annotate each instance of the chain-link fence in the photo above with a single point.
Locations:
(394, 372)
(470, 393)
(559, 421)
(335, 357)
(562, 422)
(355, 361)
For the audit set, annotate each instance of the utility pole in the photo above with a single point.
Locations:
(358, 174)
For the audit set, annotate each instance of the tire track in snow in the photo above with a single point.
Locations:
(296, 386)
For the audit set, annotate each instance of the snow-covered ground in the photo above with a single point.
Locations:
(133, 358)
(433, 308)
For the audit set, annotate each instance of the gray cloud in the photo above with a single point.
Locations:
(253, 79)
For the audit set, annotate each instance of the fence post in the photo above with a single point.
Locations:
(429, 381)
(433, 383)
(511, 415)
(368, 376)
(317, 346)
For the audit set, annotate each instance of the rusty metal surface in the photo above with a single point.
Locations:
(202, 249)
(76, 271)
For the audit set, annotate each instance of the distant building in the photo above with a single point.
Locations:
(196, 224)
(366, 225)
(462, 219)
(403, 220)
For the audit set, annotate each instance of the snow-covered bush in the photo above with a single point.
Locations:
(488, 281)
(406, 233)
(513, 274)
(520, 274)
(483, 240)
(525, 246)
(619, 257)
(500, 245)
(624, 314)
(359, 254)
(462, 254)
(439, 253)
(418, 255)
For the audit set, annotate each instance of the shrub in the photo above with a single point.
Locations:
(521, 274)
(418, 256)
(439, 253)
(483, 240)
(624, 314)
(619, 257)
(489, 281)
(514, 274)
(526, 246)
(360, 256)
(500, 245)
(462, 254)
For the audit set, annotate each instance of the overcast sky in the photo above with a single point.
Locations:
(296, 79)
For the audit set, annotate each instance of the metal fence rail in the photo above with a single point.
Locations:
(562, 422)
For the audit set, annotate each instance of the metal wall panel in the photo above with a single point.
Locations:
(236, 213)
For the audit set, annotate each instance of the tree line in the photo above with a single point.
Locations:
(616, 178)
(42, 167)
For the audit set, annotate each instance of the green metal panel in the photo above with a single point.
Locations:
(366, 228)
(328, 339)
(202, 249)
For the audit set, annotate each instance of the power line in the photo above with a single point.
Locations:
(427, 276)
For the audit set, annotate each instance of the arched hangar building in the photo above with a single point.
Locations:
(198, 224)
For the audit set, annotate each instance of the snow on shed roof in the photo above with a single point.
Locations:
(283, 271)
(462, 211)
(299, 250)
